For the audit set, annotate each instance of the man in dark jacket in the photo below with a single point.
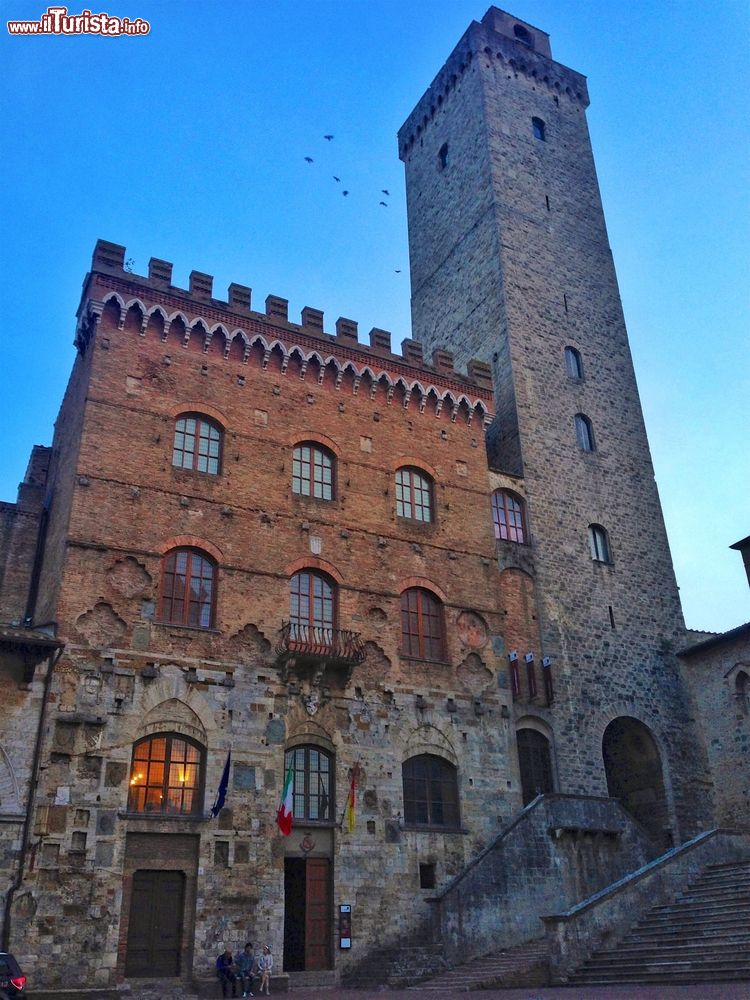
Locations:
(225, 972)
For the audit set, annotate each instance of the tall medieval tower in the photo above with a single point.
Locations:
(510, 262)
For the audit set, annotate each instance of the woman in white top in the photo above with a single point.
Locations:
(265, 965)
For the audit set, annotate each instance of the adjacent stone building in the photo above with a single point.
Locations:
(439, 579)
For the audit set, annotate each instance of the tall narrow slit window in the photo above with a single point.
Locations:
(188, 591)
(312, 787)
(573, 363)
(312, 471)
(414, 495)
(422, 635)
(197, 444)
(508, 516)
(599, 544)
(584, 432)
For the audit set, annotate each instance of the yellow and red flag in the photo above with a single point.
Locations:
(350, 812)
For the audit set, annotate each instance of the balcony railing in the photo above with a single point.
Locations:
(320, 644)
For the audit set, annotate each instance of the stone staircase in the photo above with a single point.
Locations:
(704, 936)
(525, 965)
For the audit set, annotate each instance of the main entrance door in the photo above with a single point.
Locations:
(307, 914)
(155, 925)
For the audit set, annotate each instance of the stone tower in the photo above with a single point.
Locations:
(510, 262)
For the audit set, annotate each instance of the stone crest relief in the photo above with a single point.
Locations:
(472, 629)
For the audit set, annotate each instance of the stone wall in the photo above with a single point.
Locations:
(559, 850)
(718, 675)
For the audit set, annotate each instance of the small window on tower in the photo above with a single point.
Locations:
(523, 35)
(573, 363)
(584, 432)
(538, 128)
(443, 156)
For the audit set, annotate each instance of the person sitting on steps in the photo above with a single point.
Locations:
(265, 966)
(225, 972)
(246, 968)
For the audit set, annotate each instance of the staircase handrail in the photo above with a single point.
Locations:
(605, 916)
(632, 877)
(543, 797)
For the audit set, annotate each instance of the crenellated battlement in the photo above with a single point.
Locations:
(516, 46)
(230, 328)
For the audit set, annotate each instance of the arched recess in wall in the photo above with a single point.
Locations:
(742, 689)
(518, 600)
(535, 758)
(633, 766)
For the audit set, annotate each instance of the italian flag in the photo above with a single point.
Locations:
(284, 815)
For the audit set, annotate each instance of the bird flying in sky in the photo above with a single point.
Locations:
(329, 137)
(385, 192)
(308, 159)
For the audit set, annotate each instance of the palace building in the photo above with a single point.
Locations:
(439, 578)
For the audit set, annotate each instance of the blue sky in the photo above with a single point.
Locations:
(189, 145)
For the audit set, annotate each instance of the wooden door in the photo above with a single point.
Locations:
(317, 914)
(155, 925)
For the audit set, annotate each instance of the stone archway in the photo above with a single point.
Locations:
(535, 763)
(632, 763)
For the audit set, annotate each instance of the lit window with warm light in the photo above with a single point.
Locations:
(166, 775)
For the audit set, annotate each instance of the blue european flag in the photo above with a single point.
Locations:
(221, 795)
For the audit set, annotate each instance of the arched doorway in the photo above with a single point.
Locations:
(634, 775)
(535, 764)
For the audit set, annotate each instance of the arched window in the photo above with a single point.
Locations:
(312, 607)
(523, 35)
(197, 444)
(573, 363)
(313, 784)
(535, 763)
(430, 792)
(742, 690)
(507, 515)
(188, 588)
(422, 625)
(599, 543)
(166, 775)
(539, 129)
(443, 156)
(414, 495)
(584, 432)
(312, 471)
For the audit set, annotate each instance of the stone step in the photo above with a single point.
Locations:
(661, 963)
(657, 964)
(738, 938)
(673, 977)
(715, 892)
(702, 908)
(525, 965)
(324, 977)
(626, 949)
